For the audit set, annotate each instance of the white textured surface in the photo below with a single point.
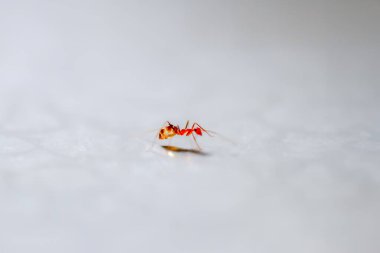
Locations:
(295, 84)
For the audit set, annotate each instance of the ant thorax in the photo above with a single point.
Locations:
(167, 132)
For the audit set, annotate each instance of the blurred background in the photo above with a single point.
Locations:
(295, 84)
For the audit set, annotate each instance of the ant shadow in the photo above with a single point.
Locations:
(184, 150)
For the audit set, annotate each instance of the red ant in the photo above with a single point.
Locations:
(170, 131)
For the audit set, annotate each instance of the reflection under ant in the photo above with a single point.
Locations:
(182, 150)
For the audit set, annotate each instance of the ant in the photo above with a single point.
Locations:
(170, 131)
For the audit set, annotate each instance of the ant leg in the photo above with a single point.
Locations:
(204, 130)
(195, 140)
(183, 130)
(154, 140)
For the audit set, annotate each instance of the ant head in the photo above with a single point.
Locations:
(161, 134)
(167, 132)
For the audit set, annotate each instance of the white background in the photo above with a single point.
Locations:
(294, 83)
